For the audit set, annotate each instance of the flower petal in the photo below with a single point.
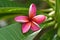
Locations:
(21, 19)
(32, 10)
(39, 18)
(26, 27)
(35, 27)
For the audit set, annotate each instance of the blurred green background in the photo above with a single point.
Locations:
(11, 8)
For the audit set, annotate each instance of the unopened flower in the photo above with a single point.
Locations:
(31, 21)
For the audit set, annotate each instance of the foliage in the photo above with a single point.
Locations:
(50, 29)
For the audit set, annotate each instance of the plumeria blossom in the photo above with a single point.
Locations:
(31, 21)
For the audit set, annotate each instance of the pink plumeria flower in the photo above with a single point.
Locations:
(31, 21)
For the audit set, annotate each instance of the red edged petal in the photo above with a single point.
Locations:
(21, 19)
(32, 10)
(39, 18)
(35, 27)
(26, 27)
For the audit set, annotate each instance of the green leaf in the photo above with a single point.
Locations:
(10, 11)
(13, 32)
